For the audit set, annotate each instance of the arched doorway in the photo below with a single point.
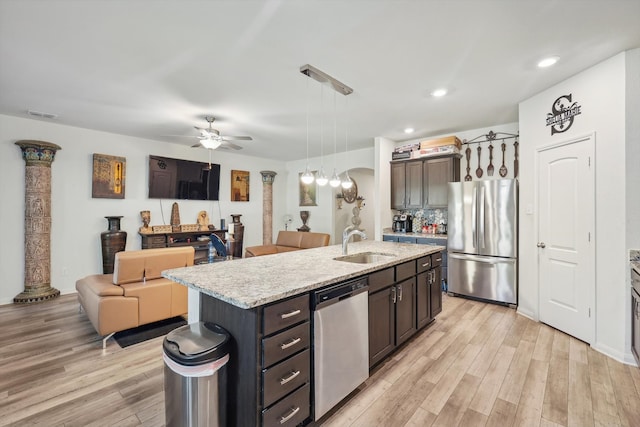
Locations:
(343, 211)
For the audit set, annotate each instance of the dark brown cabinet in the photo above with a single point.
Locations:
(419, 184)
(269, 370)
(428, 292)
(437, 173)
(406, 185)
(392, 309)
(405, 300)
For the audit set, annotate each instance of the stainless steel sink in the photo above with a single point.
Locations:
(366, 257)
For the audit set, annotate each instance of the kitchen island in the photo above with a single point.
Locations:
(264, 302)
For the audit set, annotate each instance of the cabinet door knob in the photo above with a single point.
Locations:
(541, 245)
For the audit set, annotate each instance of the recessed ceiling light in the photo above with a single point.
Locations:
(548, 62)
(439, 92)
(409, 130)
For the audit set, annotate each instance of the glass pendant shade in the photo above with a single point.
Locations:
(335, 179)
(322, 179)
(307, 177)
(346, 182)
(211, 144)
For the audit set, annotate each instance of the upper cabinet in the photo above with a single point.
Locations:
(406, 185)
(417, 184)
(437, 173)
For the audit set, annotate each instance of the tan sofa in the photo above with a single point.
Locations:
(135, 294)
(289, 241)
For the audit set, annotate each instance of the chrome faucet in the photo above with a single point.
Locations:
(346, 235)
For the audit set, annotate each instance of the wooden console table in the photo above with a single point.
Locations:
(183, 238)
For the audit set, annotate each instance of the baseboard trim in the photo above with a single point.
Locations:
(622, 357)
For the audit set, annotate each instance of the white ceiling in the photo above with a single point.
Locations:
(153, 69)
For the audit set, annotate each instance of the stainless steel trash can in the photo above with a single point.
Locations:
(195, 356)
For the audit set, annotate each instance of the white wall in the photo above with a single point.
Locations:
(600, 91)
(321, 217)
(366, 189)
(78, 219)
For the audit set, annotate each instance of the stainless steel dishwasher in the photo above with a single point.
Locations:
(341, 342)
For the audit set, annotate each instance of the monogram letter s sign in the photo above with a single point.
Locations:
(562, 113)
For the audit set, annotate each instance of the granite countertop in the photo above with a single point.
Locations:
(255, 281)
(634, 259)
(389, 232)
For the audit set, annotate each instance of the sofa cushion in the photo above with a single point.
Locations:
(289, 238)
(313, 240)
(136, 266)
(154, 299)
(98, 284)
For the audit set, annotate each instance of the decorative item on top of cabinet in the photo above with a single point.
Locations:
(146, 219)
(175, 217)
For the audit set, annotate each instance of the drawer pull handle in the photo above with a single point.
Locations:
(438, 259)
(294, 374)
(426, 264)
(292, 412)
(290, 343)
(290, 314)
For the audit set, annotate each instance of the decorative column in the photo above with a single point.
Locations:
(267, 206)
(38, 156)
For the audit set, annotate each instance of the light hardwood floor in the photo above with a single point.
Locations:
(477, 365)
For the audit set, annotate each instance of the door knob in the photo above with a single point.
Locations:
(542, 245)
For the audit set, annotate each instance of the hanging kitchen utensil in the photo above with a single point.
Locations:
(479, 169)
(467, 153)
(490, 167)
(503, 168)
(515, 161)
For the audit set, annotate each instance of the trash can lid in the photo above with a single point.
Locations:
(197, 343)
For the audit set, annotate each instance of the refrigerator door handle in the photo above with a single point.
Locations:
(481, 219)
(474, 217)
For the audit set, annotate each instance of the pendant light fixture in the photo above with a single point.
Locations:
(335, 179)
(337, 86)
(322, 179)
(346, 182)
(307, 176)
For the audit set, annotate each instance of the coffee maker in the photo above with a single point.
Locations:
(402, 223)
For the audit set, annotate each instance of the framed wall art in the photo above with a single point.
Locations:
(108, 177)
(308, 192)
(239, 186)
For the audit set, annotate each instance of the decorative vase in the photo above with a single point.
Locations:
(238, 235)
(113, 240)
(304, 216)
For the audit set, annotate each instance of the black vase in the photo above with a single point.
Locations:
(113, 240)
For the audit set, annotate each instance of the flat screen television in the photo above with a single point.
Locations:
(183, 179)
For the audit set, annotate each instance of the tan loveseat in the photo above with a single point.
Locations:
(135, 294)
(290, 241)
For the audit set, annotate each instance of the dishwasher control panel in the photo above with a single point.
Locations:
(339, 292)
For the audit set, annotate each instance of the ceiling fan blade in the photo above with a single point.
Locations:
(227, 144)
(237, 138)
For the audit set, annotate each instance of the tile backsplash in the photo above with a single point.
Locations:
(634, 255)
(426, 216)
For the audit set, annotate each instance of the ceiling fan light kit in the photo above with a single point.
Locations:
(211, 139)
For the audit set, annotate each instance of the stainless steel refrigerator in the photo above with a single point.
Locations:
(482, 244)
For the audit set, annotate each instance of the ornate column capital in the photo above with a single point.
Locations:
(38, 153)
(268, 176)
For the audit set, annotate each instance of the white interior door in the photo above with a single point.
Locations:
(566, 255)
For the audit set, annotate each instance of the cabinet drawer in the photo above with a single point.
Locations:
(424, 263)
(286, 313)
(285, 344)
(155, 242)
(290, 411)
(436, 259)
(405, 270)
(381, 279)
(283, 378)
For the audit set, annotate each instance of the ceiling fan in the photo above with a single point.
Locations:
(210, 138)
